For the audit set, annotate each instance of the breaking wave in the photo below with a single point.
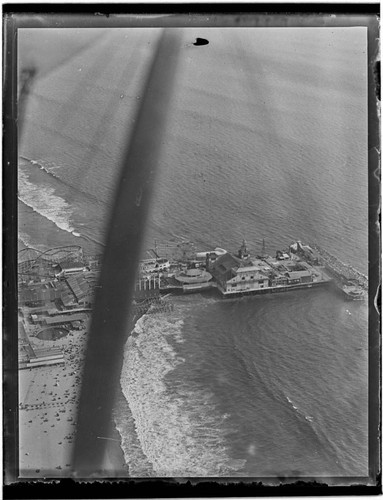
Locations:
(178, 426)
(137, 463)
(52, 169)
(48, 167)
(45, 202)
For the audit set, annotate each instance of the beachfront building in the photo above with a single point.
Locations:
(31, 357)
(39, 293)
(71, 292)
(247, 279)
(223, 270)
(41, 357)
(64, 269)
(63, 319)
(295, 277)
(244, 276)
(194, 279)
(80, 289)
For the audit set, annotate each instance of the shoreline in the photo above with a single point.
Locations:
(44, 458)
(48, 403)
(41, 410)
(46, 231)
(114, 460)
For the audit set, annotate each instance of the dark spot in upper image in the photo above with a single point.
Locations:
(201, 41)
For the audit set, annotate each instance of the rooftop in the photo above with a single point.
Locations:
(298, 274)
(64, 318)
(194, 276)
(248, 269)
(71, 265)
(222, 268)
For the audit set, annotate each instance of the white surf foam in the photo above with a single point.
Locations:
(178, 426)
(45, 202)
(138, 464)
(49, 167)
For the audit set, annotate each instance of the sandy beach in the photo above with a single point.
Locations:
(48, 401)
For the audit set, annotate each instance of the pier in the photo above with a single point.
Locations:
(352, 283)
(152, 305)
(339, 269)
(147, 283)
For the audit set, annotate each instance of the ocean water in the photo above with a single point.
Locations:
(266, 138)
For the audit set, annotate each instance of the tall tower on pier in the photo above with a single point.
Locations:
(242, 252)
(263, 252)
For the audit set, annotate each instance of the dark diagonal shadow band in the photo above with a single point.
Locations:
(110, 317)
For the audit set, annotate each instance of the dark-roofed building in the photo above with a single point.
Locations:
(246, 279)
(223, 268)
(299, 277)
(65, 318)
(66, 295)
(79, 287)
(46, 292)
